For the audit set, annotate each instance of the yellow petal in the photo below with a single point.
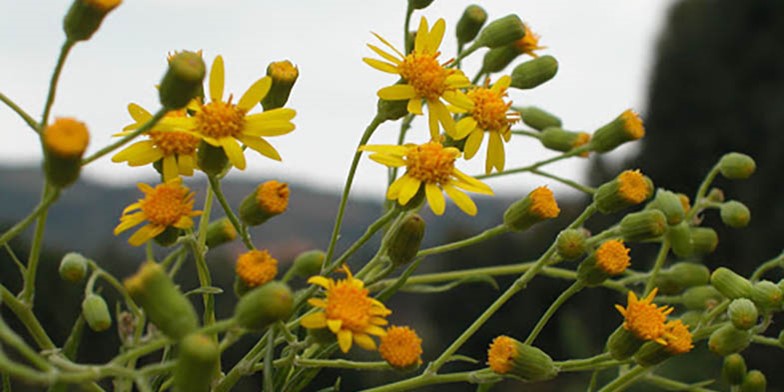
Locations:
(377, 321)
(145, 157)
(317, 302)
(279, 114)
(385, 42)
(461, 101)
(375, 330)
(415, 106)
(464, 127)
(432, 122)
(392, 59)
(435, 198)
(420, 43)
(408, 189)
(185, 222)
(364, 341)
(382, 66)
(388, 160)
(462, 201)
(145, 234)
(394, 188)
(216, 79)
(170, 169)
(435, 36)
(185, 164)
(495, 152)
(334, 325)
(390, 149)
(255, 93)
(233, 151)
(457, 80)
(397, 92)
(470, 184)
(473, 142)
(134, 206)
(261, 146)
(134, 149)
(128, 221)
(138, 113)
(320, 281)
(344, 340)
(444, 117)
(268, 128)
(314, 320)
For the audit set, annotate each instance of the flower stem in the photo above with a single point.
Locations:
(205, 280)
(483, 236)
(584, 364)
(574, 152)
(19, 111)
(425, 379)
(244, 234)
(672, 385)
(127, 138)
(703, 190)
(573, 184)
(25, 314)
(626, 379)
(524, 132)
(565, 295)
(269, 386)
(777, 261)
(657, 265)
(342, 364)
(28, 289)
(24, 223)
(369, 232)
(64, 50)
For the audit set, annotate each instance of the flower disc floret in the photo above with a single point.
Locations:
(256, 267)
(612, 257)
(66, 137)
(543, 203)
(273, 196)
(220, 119)
(644, 319)
(678, 337)
(423, 72)
(501, 353)
(633, 187)
(632, 124)
(401, 347)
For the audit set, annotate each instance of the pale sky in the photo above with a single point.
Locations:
(604, 48)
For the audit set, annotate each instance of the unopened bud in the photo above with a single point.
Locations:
(735, 214)
(730, 284)
(198, 357)
(73, 267)
(474, 17)
(64, 142)
(571, 243)
(622, 344)
(508, 356)
(728, 340)
(496, 59)
(419, 4)
(96, 313)
(625, 128)
(183, 80)
(220, 232)
(715, 195)
(562, 140)
(211, 160)
(537, 206)
(701, 297)
(283, 74)
(737, 166)
(501, 32)
(611, 258)
(268, 200)
(264, 305)
(682, 276)
(643, 225)
(537, 118)
(404, 242)
(533, 73)
(628, 189)
(703, 240)
(734, 369)
(767, 295)
(742, 313)
(309, 263)
(670, 204)
(85, 16)
(754, 381)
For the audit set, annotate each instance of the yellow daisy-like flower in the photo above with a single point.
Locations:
(348, 311)
(529, 44)
(401, 347)
(425, 78)
(256, 267)
(431, 166)
(612, 257)
(644, 319)
(223, 124)
(678, 337)
(488, 113)
(167, 205)
(176, 148)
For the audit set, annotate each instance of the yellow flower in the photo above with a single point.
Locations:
(632, 187)
(501, 353)
(223, 124)
(167, 205)
(488, 113)
(401, 347)
(612, 257)
(347, 311)
(644, 319)
(66, 137)
(256, 267)
(678, 337)
(425, 78)
(175, 147)
(529, 43)
(431, 166)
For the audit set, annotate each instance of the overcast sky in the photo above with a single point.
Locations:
(604, 47)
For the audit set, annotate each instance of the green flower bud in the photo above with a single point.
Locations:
(670, 204)
(643, 225)
(734, 369)
(559, 139)
(165, 306)
(85, 16)
(268, 200)
(283, 75)
(754, 382)
(628, 189)
(737, 166)
(703, 240)
(767, 295)
(64, 142)
(168, 236)
(220, 232)
(715, 195)
(73, 267)
(625, 128)
(622, 344)
(496, 59)
(692, 317)
(308, 263)
(730, 284)
(403, 243)
(419, 4)
(701, 297)
(264, 305)
(96, 313)
(474, 17)
(392, 110)
(510, 357)
(537, 118)
(211, 160)
(534, 72)
(735, 214)
(571, 243)
(501, 32)
(183, 80)
(198, 358)
(728, 340)
(537, 206)
(742, 313)
(611, 258)
(682, 276)
(680, 239)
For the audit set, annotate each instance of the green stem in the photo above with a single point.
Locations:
(569, 154)
(626, 379)
(483, 236)
(433, 379)
(268, 357)
(703, 190)
(342, 364)
(28, 289)
(584, 364)
(777, 261)
(64, 50)
(565, 295)
(205, 280)
(243, 232)
(42, 207)
(244, 366)
(524, 132)
(767, 341)
(127, 138)
(672, 385)
(19, 111)
(369, 232)
(573, 184)
(25, 314)
(478, 76)
(11, 339)
(661, 257)
(407, 44)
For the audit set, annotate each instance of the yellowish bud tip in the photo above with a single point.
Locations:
(401, 347)
(66, 137)
(632, 124)
(256, 267)
(273, 196)
(543, 203)
(283, 71)
(500, 354)
(612, 257)
(633, 186)
(103, 5)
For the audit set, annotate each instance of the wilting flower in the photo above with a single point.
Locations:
(644, 319)
(529, 44)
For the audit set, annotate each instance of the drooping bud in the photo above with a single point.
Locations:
(735, 214)
(562, 140)
(742, 313)
(730, 284)
(309, 263)
(73, 267)
(754, 381)
(624, 128)
(283, 74)
(198, 357)
(64, 142)
(501, 32)
(643, 225)
(96, 313)
(85, 16)
(571, 243)
(610, 259)
(670, 204)
(737, 166)
(183, 80)
(474, 17)
(537, 118)
(734, 369)
(533, 73)
(507, 356)
(537, 206)
(220, 232)
(268, 200)
(163, 303)
(264, 305)
(701, 297)
(766, 295)
(682, 276)
(728, 340)
(404, 242)
(628, 189)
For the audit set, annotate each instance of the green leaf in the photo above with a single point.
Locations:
(462, 358)
(205, 290)
(427, 289)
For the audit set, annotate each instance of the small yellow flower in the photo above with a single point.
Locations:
(273, 196)
(633, 187)
(176, 148)
(644, 319)
(488, 113)
(223, 124)
(501, 353)
(612, 257)
(529, 43)
(66, 137)
(167, 205)
(103, 5)
(632, 124)
(425, 78)
(678, 337)
(431, 166)
(348, 311)
(256, 267)
(401, 347)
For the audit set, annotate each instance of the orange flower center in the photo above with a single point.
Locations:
(543, 203)
(501, 353)
(633, 186)
(220, 119)
(174, 143)
(612, 257)
(632, 124)
(273, 197)
(490, 111)
(256, 267)
(423, 72)
(431, 162)
(166, 204)
(401, 347)
(644, 319)
(350, 304)
(679, 339)
(66, 137)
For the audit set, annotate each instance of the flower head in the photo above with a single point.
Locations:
(489, 114)
(175, 148)
(632, 124)
(256, 267)
(66, 137)
(633, 187)
(529, 43)
(225, 124)
(425, 78)
(401, 347)
(644, 319)
(500, 354)
(430, 166)
(347, 311)
(678, 337)
(167, 205)
(612, 257)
